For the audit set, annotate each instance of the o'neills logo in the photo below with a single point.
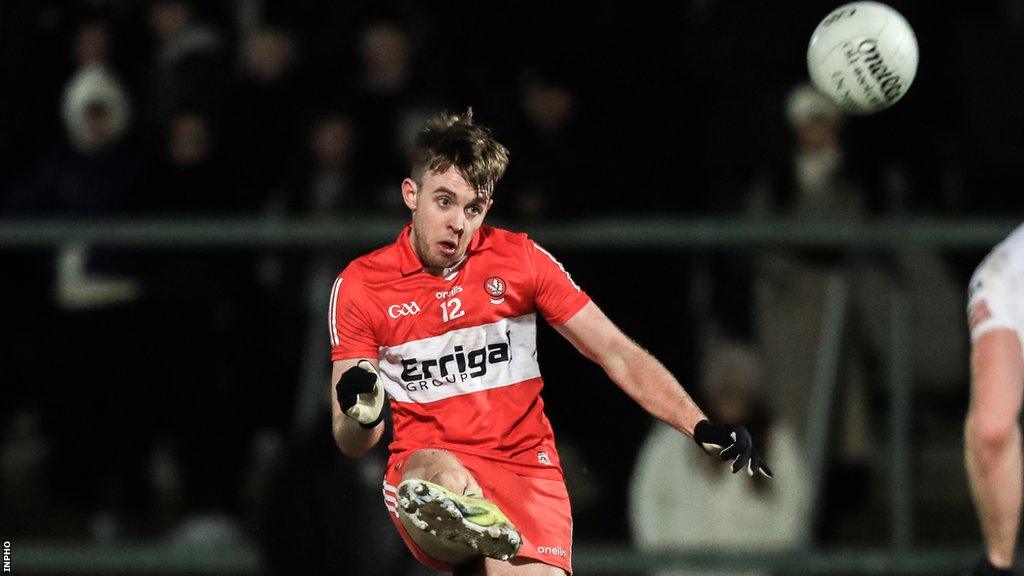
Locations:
(553, 550)
(495, 288)
(888, 82)
(458, 366)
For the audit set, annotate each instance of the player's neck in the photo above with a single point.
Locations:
(450, 271)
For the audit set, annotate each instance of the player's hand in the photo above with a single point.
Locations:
(729, 442)
(361, 394)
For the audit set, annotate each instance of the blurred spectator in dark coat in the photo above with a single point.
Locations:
(809, 181)
(555, 159)
(304, 526)
(186, 175)
(264, 127)
(93, 175)
(324, 186)
(202, 302)
(188, 64)
(320, 188)
(95, 300)
(389, 102)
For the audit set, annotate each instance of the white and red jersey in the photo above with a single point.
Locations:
(996, 292)
(458, 354)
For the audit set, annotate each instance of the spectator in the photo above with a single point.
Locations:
(809, 181)
(188, 65)
(206, 334)
(93, 293)
(389, 104)
(815, 180)
(263, 128)
(322, 189)
(91, 177)
(325, 186)
(673, 484)
(94, 173)
(558, 162)
(186, 174)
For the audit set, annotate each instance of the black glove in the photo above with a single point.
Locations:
(361, 395)
(730, 442)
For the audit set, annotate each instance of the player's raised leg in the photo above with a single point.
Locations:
(993, 440)
(442, 507)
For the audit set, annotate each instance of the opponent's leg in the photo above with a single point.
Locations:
(992, 440)
(441, 507)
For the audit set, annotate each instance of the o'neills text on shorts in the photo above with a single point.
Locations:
(553, 550)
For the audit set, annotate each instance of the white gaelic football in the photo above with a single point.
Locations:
(863, 55)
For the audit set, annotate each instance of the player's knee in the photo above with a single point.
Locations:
(989, 436)
(425, 464)
(450, 480)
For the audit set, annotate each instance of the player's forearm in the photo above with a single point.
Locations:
(352, 439)
(653, 387)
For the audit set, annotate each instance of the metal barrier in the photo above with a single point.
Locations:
(899, 424)
(615, 233)
(825, 377)
(597, 559)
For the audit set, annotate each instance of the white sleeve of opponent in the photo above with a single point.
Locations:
(994, 294)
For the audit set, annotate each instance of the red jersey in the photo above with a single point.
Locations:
(458, 354)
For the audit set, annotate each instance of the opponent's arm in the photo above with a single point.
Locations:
(655, 389)
(357, 398)
(992, 439)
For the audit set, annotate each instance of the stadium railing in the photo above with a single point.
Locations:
(618, 233)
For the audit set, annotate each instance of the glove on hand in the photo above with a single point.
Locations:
(729, 442)
(361, 394)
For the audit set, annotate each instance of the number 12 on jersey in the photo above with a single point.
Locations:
(452, 309)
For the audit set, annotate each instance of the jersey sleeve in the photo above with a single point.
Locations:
(351, 331)
(992, 296)
(556, 295)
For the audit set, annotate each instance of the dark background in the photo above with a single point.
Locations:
(128, 416)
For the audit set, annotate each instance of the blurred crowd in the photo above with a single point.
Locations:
(180, 395)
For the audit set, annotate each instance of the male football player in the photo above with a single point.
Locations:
(443, 322)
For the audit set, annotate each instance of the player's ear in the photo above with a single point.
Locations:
(409, 190)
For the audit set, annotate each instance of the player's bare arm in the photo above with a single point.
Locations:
(993, 440)
(353, 439)
(656, 390)
(632, 368)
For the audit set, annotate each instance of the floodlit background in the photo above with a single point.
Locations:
(181, 181)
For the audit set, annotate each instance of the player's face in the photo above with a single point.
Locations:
(446, 212)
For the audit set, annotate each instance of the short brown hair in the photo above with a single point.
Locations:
(453, 140)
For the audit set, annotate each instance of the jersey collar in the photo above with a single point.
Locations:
(410, 262)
